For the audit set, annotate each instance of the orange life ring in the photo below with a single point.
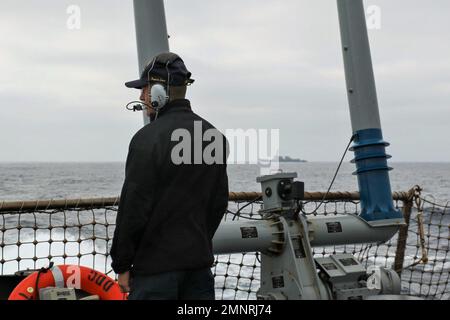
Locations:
(70, 276)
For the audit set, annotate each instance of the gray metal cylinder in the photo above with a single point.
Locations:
(244, 236)
(346, 229)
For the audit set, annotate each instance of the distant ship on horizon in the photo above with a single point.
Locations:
(289, 159)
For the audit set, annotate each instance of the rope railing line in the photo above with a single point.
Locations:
(58, 204)
(35, 205)
(434, 203)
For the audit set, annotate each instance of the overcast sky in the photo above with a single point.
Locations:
(257, 64)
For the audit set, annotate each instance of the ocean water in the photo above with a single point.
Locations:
(37, 181)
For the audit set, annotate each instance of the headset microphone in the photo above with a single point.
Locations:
(138, 106)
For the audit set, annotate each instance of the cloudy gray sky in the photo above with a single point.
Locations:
(257, 64)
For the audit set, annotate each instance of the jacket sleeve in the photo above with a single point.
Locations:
(220, 200)
(134, 207)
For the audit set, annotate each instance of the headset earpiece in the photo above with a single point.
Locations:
(158, 96)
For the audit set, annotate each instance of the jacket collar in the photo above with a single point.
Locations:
(175, 106)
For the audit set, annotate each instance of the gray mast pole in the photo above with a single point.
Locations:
(151, 32)
(361, 90)
(369, 147)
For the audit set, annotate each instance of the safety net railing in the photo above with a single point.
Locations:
(35, 233)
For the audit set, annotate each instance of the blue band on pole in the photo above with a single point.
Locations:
(373, 176)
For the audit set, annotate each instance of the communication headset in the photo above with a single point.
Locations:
(159, 93)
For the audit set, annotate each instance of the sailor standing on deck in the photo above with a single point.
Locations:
(169, 211)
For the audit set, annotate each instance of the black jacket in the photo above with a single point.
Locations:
(168, 213)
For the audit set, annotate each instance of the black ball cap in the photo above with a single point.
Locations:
(166, 66)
